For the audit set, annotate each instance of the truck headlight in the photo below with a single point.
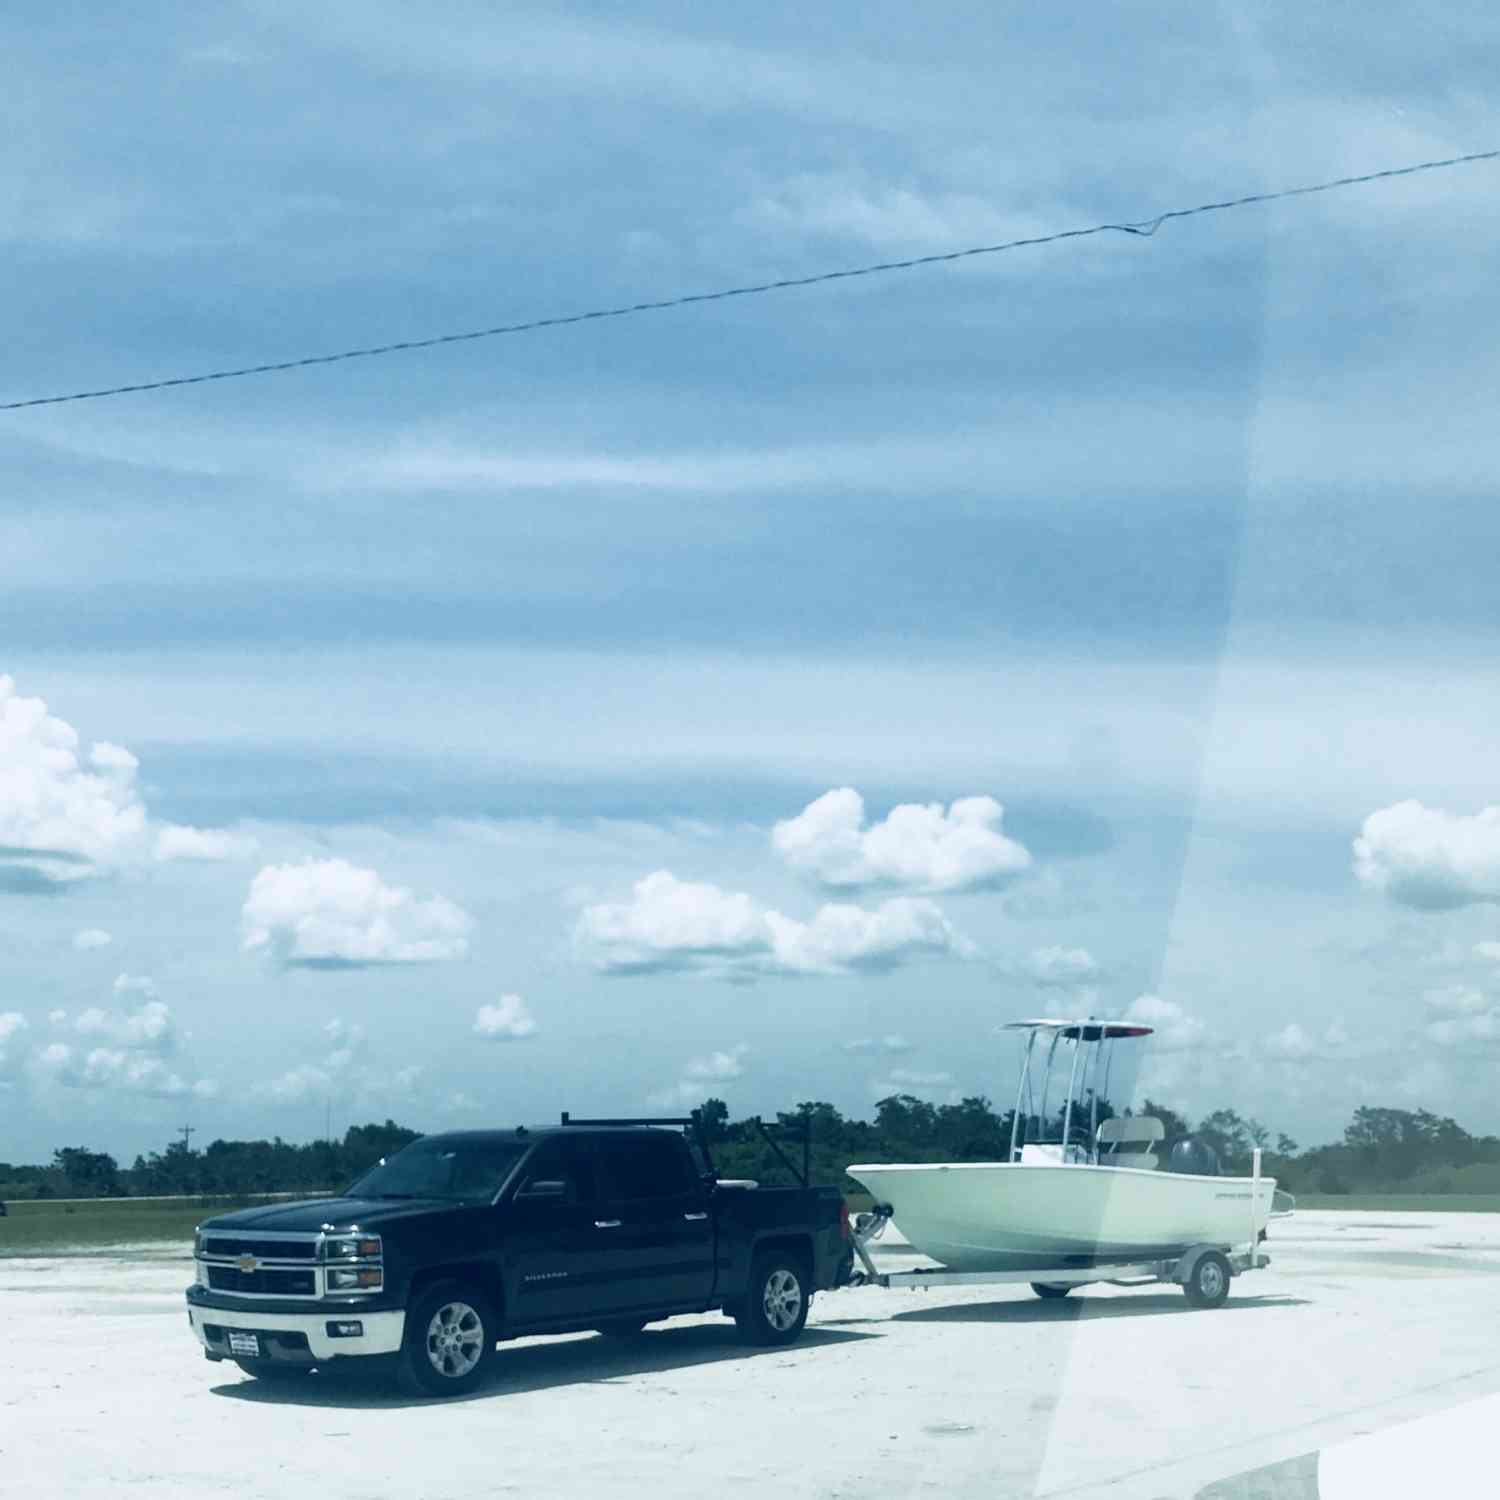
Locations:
(346, 1247)
(355, 1278)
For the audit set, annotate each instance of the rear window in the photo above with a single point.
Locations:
(644, 1166)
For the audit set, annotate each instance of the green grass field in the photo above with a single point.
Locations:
(44, 1227)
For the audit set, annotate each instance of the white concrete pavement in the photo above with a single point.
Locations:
(1363, 1322)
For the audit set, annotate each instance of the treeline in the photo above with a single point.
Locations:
(222, 1169)
(1382, 1150)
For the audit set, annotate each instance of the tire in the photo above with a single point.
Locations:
(776, 1302)
(273, 1369)
(623, 1328)
(1050, 1290)
(451, 1331)
(1208, 1282)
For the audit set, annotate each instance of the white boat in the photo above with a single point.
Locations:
(1097, 1193)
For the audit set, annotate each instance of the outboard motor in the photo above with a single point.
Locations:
(1193, 1156)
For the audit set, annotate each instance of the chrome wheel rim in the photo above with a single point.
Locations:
(1211, 1279)
(782, 1300)
(455, 1340)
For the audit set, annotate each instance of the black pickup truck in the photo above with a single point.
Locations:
(463, 1239)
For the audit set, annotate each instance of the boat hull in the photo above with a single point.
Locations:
(992, 1216)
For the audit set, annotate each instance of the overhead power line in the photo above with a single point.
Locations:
(1141, 227)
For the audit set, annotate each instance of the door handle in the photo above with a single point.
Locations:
(606, 1223)
(695, 1216)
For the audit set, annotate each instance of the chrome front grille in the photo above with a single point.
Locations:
(232, 1246)
(267, 1281)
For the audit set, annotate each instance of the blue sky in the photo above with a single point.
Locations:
(1180, 549)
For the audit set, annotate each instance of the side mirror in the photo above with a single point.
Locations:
(544, 1189)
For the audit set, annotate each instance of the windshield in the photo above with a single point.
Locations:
(461, 1171)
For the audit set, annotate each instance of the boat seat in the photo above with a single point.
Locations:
(1137, 1133)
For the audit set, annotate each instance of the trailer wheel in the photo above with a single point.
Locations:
(1049, 1290)
(776, 1302)
(451, 1332)
(1208, 1282)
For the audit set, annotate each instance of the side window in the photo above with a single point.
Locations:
(563, 1160)
(644, 1166)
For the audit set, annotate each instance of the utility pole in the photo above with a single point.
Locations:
(188, 1132)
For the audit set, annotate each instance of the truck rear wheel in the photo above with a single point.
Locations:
(776, 1301)
(1050, 1289)
(451, 1331)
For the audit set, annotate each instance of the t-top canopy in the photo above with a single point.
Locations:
(1086, 1031)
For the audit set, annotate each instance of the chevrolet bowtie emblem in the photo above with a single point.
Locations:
(248, 1263)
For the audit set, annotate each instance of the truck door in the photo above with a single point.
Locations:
(659, 1210)
(558, 1263)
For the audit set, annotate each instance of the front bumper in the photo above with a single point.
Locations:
(299, 1337)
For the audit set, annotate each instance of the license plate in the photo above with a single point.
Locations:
(244, 1345)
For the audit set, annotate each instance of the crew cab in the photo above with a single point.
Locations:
(463, 1239)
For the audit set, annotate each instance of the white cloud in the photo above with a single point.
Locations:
(917, 846)
(1430, 859)
(508, 1021)
(117, 1068)
(57, 1017)
(908, 1081)
(149, 1029)
(672, 924)
(1291, 1043)
(91, 937)
(178, 841)
(1061, 968)
(12, 1023)
(717, 1065)
(1456, 1000)
(892, 1043)
(687, 1093)
(328, 913)
(64, 814)
(701, 1078)
(345, 1071)
(1174, 1030)
(1487, 950)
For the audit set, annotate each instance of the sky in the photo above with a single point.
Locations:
(767, 699)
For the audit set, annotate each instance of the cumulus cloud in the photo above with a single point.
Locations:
(509, 1021)
(1294, 1043)
(65, 813)
(1456, 1000)
(908, 1081)
(701, 1077)
(1490, 951)
(149, 1029)
(696, 927)
(91, 937)
(917, 846)
(892, 1044)
(120, 1049)
(12, 1023)
(717, 1065)
(328, 913)
(1175, 1030)
(1430, 859)
(346, 1070)
(178, 841)
(1061, 968)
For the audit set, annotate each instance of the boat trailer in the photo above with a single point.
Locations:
(1203, 1271)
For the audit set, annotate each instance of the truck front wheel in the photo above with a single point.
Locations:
(451, 1331)
(776, 1301)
